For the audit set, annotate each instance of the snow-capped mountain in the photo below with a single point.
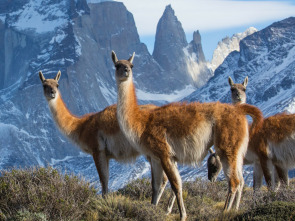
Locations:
(76, 38)
(227, 45)
(267, 57)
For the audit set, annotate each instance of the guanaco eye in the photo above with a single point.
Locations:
(131, 65)
(57, 85)
(244, 89)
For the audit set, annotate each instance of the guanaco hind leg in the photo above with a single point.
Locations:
(175, 181)
(257, 176)
(281, 175)
(233, 174)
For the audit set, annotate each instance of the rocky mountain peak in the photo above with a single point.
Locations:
(169, 35)
(197, 37)
(267, 58)
(185, 63)
(227, 45)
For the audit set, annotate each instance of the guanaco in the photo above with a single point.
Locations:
(97, 134)
(268, 155)
(184, 132)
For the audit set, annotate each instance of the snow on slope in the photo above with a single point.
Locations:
(40, 16)
(227, 45)
(175, 96)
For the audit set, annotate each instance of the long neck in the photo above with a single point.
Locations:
(67, 122)
(131, 119)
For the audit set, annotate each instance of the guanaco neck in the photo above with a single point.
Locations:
(131, 119)
(65, 120)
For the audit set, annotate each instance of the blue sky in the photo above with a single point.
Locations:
(215, 19)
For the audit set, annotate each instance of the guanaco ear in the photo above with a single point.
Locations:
(211, 151)
(41, 76)
(245, 82)
(131, 58)
(114, 57)
(57, 77)
(230, 81)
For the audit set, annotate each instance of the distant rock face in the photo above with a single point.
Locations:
(77, 39)
(170, 40)
(227, 45)
(196, 64)
(184, 63)
(267, 57)
(78, 43)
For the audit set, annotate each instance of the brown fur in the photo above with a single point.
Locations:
(170, 133)
(279, 127)
(93, 130)
(275, 130)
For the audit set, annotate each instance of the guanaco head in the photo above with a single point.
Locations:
(50, 86)
(123, 67)
(214, 166)
(238, 91)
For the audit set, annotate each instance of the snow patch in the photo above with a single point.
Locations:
(98, 1)
(175, 96)
(109, 93)
(195, 69)
(2, 18)
(40, 17)
(291, 107)
(58, 38)
(78, 47)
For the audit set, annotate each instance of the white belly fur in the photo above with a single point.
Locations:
(193, 148)
(284, 152)
(119, 147)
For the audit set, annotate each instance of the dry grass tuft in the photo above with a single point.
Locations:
(45, 191)
(43, 194)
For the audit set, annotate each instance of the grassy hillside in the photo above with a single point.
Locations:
(41, 194)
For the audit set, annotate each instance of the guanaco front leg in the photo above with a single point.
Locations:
(102, 166)
(159, 180)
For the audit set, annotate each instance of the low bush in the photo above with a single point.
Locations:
(44, 194)
(44, 190)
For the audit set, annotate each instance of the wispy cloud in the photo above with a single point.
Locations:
(206, 15)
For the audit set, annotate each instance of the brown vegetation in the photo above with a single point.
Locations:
(43, 194)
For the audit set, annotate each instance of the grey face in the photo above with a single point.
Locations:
(123, 67)
(238, 91)
(123, 70)
(50, 86)
(238, 94)
(214, 167)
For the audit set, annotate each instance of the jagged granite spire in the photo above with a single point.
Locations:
(196, 47)
(170, 40)
(183, 62)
